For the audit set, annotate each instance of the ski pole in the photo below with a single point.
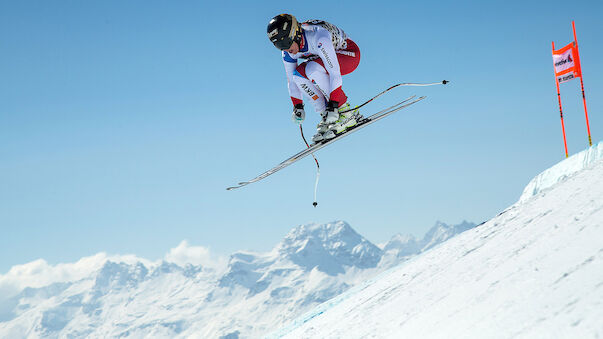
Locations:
(315, 203)
(443, 82)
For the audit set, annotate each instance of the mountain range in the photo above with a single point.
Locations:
(252, 295)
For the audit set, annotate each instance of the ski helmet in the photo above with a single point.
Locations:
(283, 30)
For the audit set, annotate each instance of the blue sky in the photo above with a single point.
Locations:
(122, 123)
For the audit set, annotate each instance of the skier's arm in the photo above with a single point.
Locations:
(326, 52)
(290, 66)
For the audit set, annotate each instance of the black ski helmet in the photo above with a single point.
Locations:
(283, 30)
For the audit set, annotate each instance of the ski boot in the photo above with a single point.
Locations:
(329, 117)
(348, 117)
(323, 132)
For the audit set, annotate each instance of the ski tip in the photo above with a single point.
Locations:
(444, 82)
(241, 184)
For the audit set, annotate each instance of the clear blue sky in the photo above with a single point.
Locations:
(122, 123)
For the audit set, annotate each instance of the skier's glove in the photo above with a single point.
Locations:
(299, 114)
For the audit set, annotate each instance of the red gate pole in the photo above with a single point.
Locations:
(560, 108)
(590, 142)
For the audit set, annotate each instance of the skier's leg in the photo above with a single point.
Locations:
(319, 76)
(348, 61)
(316, 73)
(307, 77)
(309, 88)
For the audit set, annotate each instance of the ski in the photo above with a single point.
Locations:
(315, 147)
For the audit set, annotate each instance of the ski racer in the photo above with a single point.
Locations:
(327, 53)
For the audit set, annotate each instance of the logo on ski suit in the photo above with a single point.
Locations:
(309, 91)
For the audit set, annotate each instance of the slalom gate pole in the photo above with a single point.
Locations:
(560, 107)
(315, 203)
(443, 82)
(590, 142)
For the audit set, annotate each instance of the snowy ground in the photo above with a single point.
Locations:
(534, 271)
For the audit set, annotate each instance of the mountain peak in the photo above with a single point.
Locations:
(117, 275)
(441, 232)
(325, 232)
(337, 244)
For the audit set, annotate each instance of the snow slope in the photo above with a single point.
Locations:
(534, 271)
(562, 170)
(184, 296)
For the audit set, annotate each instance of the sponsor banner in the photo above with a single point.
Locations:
(565, 77)
(564, 61)
(567, 63)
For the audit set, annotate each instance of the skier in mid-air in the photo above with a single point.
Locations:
(327, 53)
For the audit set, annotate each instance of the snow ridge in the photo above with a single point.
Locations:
(562, 170)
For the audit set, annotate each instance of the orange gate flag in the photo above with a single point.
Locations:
(567, 63)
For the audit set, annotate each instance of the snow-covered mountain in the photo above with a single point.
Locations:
(401, 247)
(534, 271)
(253, 293)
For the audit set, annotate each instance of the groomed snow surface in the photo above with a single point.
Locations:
(534, 271)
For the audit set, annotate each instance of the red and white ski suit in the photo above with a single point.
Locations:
(327, 54)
